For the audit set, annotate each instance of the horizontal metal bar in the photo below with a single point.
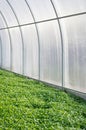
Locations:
(72, 15)
(29, 23)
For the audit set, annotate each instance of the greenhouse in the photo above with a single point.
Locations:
(45, 40)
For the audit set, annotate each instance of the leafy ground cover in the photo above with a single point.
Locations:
(26, 104)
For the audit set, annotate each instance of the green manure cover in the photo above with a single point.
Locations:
(26, 104)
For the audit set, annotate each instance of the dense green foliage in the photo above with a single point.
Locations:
(29, 105)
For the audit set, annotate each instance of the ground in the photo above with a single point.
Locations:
(26, 104)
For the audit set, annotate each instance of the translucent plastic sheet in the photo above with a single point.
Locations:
(42, 10)
(74, 37)
(8, 13)
(50, 52)
(5, 41)
(30, 51)
(69, 7)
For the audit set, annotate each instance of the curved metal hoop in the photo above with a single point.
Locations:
(61, 42)
(37, 36)
(20, 34)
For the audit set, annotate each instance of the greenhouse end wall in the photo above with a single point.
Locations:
(45, 40)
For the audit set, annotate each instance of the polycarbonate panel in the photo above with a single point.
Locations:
(42, 10)
(74, 37)
(16, 50)
(4, 36)
(69, 7)
(50, 52)
(2, 23)
(31, 51)
(8, 14)
(22, 11)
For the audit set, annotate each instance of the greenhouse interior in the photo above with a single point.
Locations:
(45, 41)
